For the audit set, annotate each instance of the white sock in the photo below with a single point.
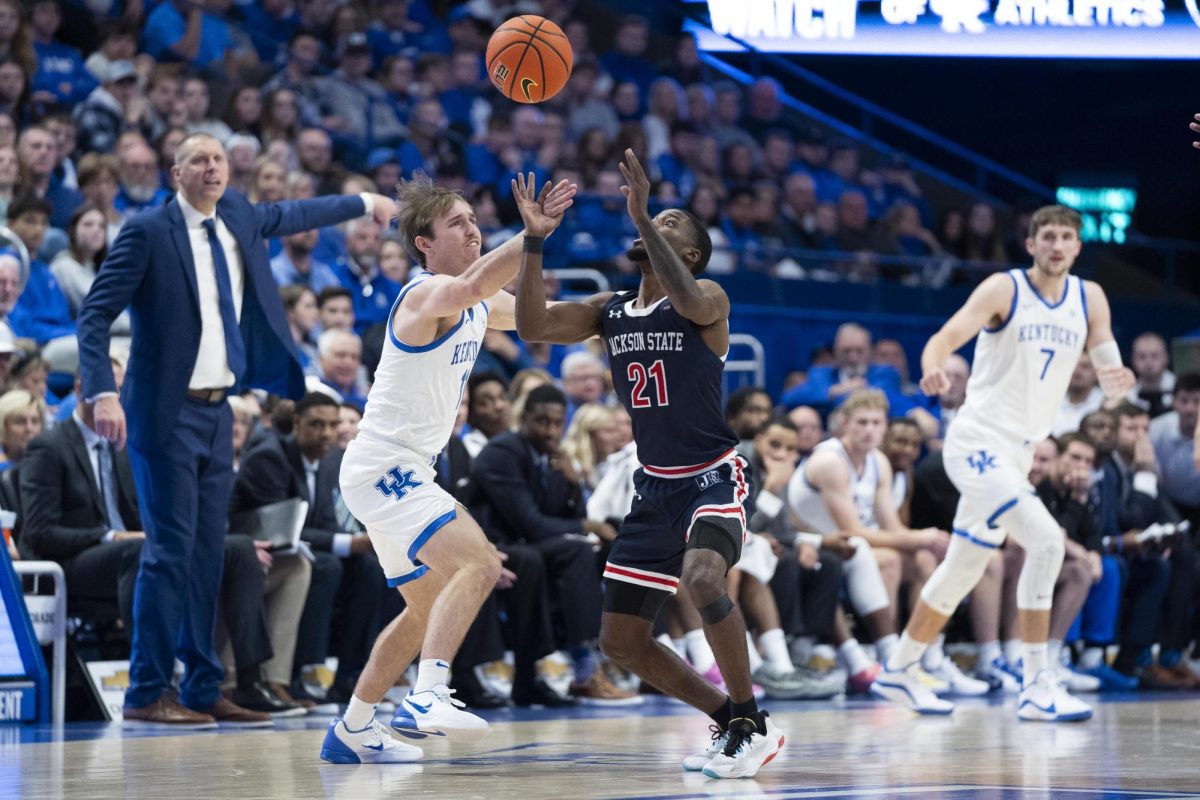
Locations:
(699, 651)
(1036, 660)
(1092, 657)
(756, 660)
(1054, 653)
(885, 645)
(679, 646)
(988, 653)
(1012, 651)
(358, 714)
(431, 672)
(906, 653)
(774, 647)
(934, 655)
(852, 653)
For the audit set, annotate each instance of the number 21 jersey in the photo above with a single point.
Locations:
(670, 382)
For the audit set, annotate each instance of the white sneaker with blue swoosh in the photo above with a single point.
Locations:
(1047, 700)
(436, 713)
(905, 687)
(372, 745)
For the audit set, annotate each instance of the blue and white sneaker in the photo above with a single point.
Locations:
(1000, 676)
(436, 713)
(905, 687)
(372, 745)
(1111, 680)
(1047, 700)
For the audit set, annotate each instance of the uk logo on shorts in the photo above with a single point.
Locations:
(396, 483)
(981, 461)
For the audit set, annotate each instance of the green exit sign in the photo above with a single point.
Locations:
(1107, 210)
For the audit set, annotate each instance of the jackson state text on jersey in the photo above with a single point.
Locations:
(670, 382)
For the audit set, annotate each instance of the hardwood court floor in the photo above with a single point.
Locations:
(1144, 748)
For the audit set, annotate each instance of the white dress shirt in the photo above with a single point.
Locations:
(212, 363)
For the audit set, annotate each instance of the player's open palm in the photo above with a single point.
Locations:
(637, 186)
(541, 211)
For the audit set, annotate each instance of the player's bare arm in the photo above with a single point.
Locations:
(988, 306)
(703, 302)
(537, 321)
(435, 303)
(892, 532)
(827, 473)
(1115, 379)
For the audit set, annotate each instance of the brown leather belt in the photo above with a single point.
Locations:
(210, 396)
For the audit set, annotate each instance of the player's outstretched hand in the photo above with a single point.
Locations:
(935, 383)
(383, 209)
(1195, 126)
(1115, 381)
(636, 188)
(541, 211)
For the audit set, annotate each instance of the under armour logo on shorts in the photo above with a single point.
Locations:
(396, 483)
(981, 461)
(710, 478)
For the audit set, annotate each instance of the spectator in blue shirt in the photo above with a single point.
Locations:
(359, 272)
(340, 363)
(270, 24)
(827, 386)
(627, 60)
(179, 30)
(103, 116)
(394, 33)
(296, 265)
(42, 312)
(37, 152)
(738, 225)
(61, 76)
(140, 188)
(675, 164)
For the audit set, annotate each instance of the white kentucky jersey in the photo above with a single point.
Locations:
(418, 388)
(1022, 367)
(811, 511)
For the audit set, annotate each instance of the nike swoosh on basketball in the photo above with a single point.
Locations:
(525, 84)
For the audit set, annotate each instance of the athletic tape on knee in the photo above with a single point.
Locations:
(717, 610)
(957, 575)
(864, 583)
(1032, 526)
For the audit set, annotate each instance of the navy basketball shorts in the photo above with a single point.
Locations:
(650, 545)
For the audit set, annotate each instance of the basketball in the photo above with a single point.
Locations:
(529, 59)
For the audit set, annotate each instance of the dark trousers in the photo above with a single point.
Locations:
(341, 614)
(1175, 624)
(183, 491)
(242, 603)
(807, 598)
(91, 573)
(1145, 588)
(575, 582)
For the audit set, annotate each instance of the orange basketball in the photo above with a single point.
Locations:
(529, 59)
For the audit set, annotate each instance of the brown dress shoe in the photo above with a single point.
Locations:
(167, 712)
(228, 713)
(1185, 675)
(1157, 676)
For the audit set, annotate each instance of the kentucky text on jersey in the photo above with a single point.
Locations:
(645, 340)
(1048, 334)
(465, 353)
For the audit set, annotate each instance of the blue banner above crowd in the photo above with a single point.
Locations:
(1157, 29)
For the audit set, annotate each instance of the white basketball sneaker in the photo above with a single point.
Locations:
(746, 749)
(1047, 700)
(1077, 681)
(699, 761)
(906, 688)
(372, 745)
(959, 683)
(436, 713)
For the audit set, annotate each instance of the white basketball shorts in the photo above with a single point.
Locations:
(990, 471)
(392, 492)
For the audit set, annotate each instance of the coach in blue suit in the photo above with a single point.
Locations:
(207, 321)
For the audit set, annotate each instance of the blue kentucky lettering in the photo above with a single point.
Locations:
(981, 461)
(399, 485)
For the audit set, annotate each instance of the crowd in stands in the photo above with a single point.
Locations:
(321, 98)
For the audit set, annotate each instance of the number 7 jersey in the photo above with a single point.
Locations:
(1022, 367)
(670, 382)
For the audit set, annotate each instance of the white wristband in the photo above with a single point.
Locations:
(1106, 355)
(769, 503)
(811, 539)
(1146, 483)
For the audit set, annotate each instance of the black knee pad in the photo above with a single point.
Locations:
(716, 611)
(721, 534)
(622, 597)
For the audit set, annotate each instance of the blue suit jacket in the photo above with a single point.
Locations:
(151, 271)
(815, 391)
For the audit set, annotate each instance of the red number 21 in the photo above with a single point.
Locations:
(640, 377)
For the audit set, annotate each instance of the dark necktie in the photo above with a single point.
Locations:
(108, 489)
(235, 348)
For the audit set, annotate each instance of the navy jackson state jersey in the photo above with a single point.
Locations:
(670, 382)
